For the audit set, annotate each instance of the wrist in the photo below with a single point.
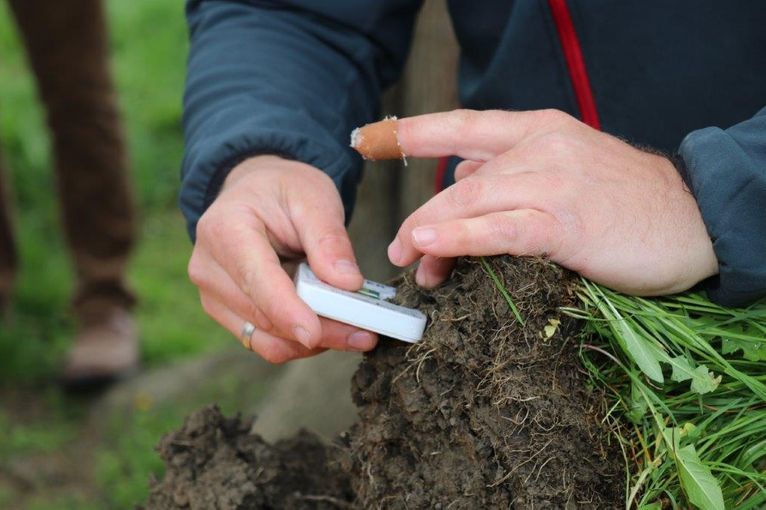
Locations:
(247, 167)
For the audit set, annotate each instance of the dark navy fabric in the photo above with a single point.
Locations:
(294, 77)
(728, 177)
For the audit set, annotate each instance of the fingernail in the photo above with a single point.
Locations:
(361, 341)
(303, 336)
(395, 251)
(344, 266)
(424, 236)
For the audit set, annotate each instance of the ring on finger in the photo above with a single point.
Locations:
(246, 337)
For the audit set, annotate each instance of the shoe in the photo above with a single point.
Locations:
(105, 350)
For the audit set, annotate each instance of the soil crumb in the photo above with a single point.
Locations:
(484, 412)
(214, 462)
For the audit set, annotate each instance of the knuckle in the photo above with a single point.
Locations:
(465, 192)
(503, 228)
(528, 241)
(273, 356)
(465, 119)
(207, 305)
(333, 237)
(207, 227)
(571, 223)
(553, 116)
(196, 270)
(251, 311)
(412, 222)
(550, 240)
(558, 145)
(248, 278)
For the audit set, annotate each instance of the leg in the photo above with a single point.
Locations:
(67, 47)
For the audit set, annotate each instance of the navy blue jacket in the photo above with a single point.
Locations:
(294, 77)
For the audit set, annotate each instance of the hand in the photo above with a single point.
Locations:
(269, 208)
(543, 183)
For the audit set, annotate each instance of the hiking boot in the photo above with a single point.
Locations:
(105, 350)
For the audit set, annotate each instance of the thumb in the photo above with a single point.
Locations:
(323, 236)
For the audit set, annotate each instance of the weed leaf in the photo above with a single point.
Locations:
(703, 380)
(698, 482)
(643, 351)
(751, 351)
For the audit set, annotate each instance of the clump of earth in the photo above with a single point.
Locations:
(484, 412)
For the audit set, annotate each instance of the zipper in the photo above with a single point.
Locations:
(578, 74)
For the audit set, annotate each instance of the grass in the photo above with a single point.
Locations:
(148, 45)
(686, 378)
(491, 272)
(687, 383)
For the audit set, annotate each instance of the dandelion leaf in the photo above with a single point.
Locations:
(703, 380)
(751, 351)
(644, 352)
(698, 482)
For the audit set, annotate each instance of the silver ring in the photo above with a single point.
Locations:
(247, 335)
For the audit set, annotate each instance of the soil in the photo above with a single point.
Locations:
(214, 462)
(482, 413)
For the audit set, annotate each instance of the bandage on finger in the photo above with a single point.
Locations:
(378, 140)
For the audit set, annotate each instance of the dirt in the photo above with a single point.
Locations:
(214, 462)
(483, 413)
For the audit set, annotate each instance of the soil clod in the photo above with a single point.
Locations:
(483, 413)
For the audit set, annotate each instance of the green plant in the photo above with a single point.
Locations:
(687, 381)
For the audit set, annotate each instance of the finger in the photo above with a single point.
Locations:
(335, 335)
(344, 337)
(377, 141)
(242, 249)
(519, 232)
(269, 347)
(466, 168)
(433, 270)
(217, 284)
(471, 197)
(324, 238)
(470, 134)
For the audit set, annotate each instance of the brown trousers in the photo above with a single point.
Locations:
(67, 48)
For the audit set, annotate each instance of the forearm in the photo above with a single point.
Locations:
(264, 78)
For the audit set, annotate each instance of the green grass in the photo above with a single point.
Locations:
(687, 384)
(35, 438)
(169, 314)
(149, 51)
(148, 45)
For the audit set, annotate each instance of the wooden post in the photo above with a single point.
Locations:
(390, 191)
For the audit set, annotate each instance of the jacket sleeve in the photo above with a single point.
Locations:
(726, 171)
(290, 77)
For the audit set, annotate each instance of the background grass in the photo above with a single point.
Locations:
(36, 420)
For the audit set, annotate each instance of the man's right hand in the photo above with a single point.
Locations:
(272, 210)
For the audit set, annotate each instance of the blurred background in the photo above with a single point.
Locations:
(59, 451)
